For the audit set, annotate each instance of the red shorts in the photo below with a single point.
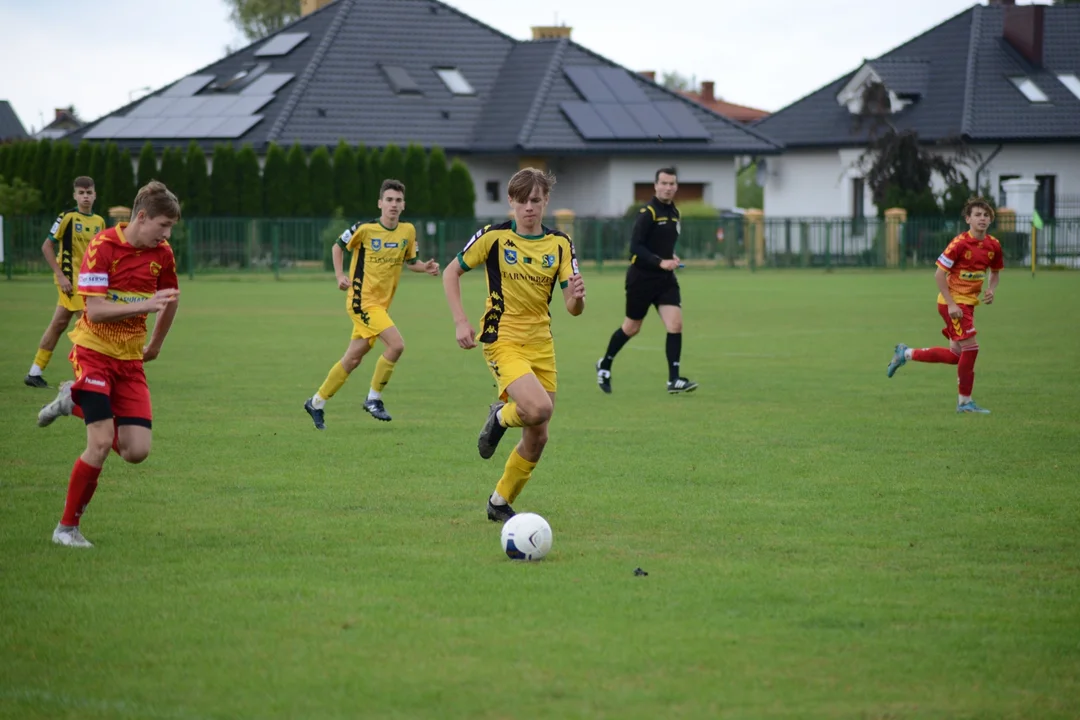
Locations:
(958, 328)
(123, 382)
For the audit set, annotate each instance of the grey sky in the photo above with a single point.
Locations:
(764, 53)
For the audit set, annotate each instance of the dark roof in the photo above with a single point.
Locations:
(11, 128)
(339, 89)
(958, 73)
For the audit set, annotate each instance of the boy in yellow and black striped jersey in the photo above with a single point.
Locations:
(379, 250)
(63, 250)
(523, 262)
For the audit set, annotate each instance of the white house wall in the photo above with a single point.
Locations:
(717, 173)
(810, 183)
(1062, 160)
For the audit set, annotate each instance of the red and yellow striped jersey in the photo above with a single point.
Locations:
(966, 261)
(121, 273)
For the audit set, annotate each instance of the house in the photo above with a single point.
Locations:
(376, 72)
(11, 128)
(1004, 78)
(63, 123)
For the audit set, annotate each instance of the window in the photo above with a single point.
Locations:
(1030, 89)
(1046, 195)
(400, 80)
(1072, 82)
(455, 82)
(491, 190)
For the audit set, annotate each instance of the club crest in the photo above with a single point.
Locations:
(510, 256)
(549, 261)
(376, 243)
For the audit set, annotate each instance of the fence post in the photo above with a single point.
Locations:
(804, 244)
(3, 250)
(894, 222)
(189, 243)
(755, 237)
(275, 244)
(828, 244)
(787, 242)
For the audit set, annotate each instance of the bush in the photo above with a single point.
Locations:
(19, 198)
(337, 225)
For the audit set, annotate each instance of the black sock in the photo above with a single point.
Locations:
(618, 339)
(674, 350)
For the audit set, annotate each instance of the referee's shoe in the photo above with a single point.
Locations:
(681, 385)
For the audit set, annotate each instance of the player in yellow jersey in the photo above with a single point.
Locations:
(379, 249)
(63, 250)
(523, 261)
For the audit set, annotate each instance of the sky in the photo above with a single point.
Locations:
(761, 53)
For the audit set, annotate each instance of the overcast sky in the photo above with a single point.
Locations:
(762, 53)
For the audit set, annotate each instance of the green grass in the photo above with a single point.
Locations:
(821, 542)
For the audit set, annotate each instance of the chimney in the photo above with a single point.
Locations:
(61, 113)
(1024, 31)
(648, 75)
(550, 32)
(708, 90)
(309, 6)
(1002, 2)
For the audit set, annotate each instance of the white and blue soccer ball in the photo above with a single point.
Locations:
(526, 536)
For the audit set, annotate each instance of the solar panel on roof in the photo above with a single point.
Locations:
(587, 121)
(151, 107)
(203, 127)
(215, 106)
(234, 127)
(268, 84)
(651, 121)
(682, 119)
(248, 104)
(184, 107)
(622, 85)
(589, 84)
(188, 86)
(281, 44)
(620, 121)
(170, 127)
(107, 128)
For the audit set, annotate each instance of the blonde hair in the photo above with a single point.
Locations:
(524, 180)
(156, 199)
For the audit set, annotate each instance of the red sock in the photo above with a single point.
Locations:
(935, 355)
(81, 488)
(966, 371)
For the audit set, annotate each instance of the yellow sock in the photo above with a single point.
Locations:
(510, 417)
(42, 358)
(517, 472)
(333, 382)
(383, 370)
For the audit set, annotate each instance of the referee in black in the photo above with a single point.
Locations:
(650, 280)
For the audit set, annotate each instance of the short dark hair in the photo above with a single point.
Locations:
(977, 202)
(84, 182)
(390, 184)
(670, 170)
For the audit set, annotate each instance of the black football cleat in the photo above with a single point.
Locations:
(499, 513)
(681, 385)
(377, 410)
(491, 433)
(316, 415)
(35, 381)
(603, 377)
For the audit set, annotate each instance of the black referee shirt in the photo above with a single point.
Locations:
(655, 232)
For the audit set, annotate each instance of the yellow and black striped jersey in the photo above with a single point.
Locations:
(522, 271)
(377, 256)
(72, 233)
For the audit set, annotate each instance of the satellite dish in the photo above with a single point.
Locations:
(762, 175)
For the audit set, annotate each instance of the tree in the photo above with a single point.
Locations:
(346, 181)
(259, 18)
(223, 193)
(5, 158)
(48, 183)
(124, 189)
(84, 160)
(321, 183)
(148, 169)
(367, 164)
(19, 198)
(675, 80)
(97, 172)
(462, 193)
(748, 194)
(299, 203)
(199, 201)
(276, 182)
(391, 165)
(63, 176)
(107, 190)
(174, 174)
(248, 183)
(417, 192)
(26, 160)
(40, 167)
(438, 184)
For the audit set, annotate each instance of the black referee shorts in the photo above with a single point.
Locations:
(649, 289)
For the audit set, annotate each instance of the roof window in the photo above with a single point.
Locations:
(1031, 91)
(1072, 82)
(400, 80)
(455, 82)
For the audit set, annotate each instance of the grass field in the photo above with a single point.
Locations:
(820, 541)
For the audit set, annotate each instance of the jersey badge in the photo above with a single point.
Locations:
(549, 261)
(510, 256)
(389, 246)
(376, 243)
(78, 227)
(155, 269)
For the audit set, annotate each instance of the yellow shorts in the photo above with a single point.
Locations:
(369, 323)
(511, 361)
(74, 302)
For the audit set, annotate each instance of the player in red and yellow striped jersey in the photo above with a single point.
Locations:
(523, 262)
(63, 250)
(970, 259)
(128, 272)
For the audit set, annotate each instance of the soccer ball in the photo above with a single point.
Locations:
(526, 536)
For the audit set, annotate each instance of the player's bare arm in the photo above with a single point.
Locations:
(574, 295)
(431, 267)
(337, 256)
(463, 330)
(991, 284)
(161, 329)
(49, 251)
(942, 280)
(100, 310)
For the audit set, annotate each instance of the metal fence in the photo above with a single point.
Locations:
(291, 246)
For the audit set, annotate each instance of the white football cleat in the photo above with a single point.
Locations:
(70, 537)
(62, 404)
